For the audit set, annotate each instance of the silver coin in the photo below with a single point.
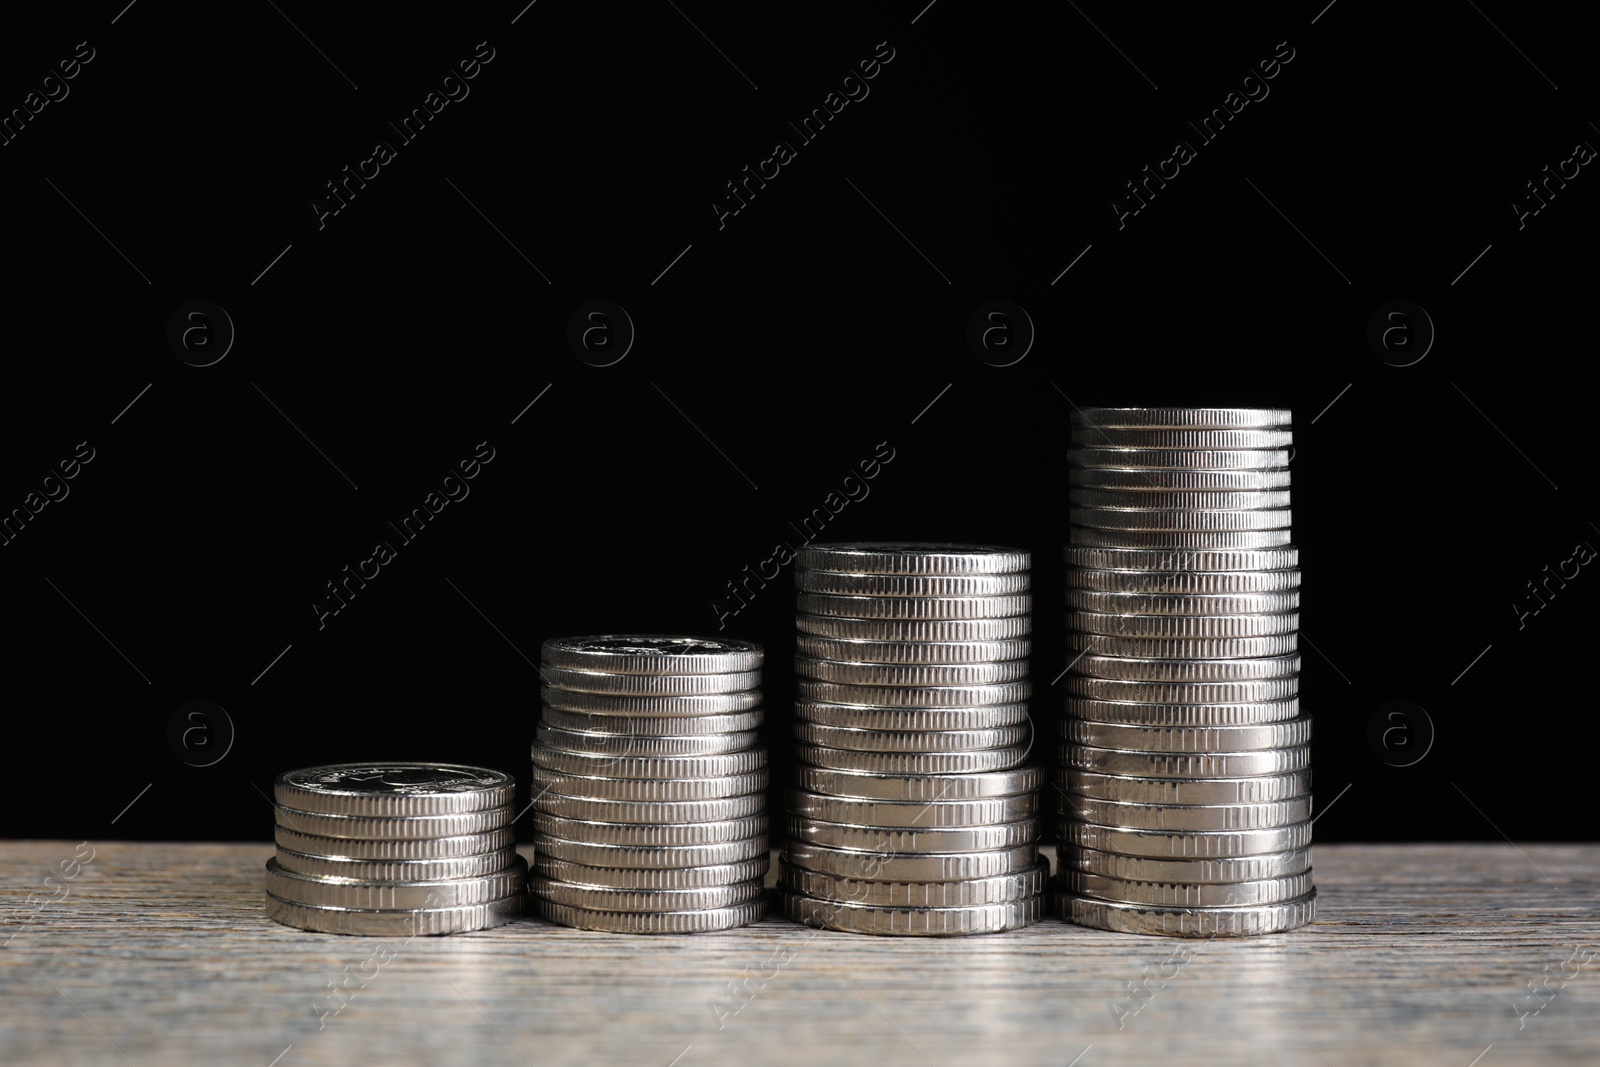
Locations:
(912, 585)
(911, 866)
(613, 744)
(599, 787)
(395, 923)
(1245, 691)
(1262, 789)
(651, 879)
(1186, 604)
(858, 740)
(1139, 668)
(408, 871)
(1175, 560)
(652, 726)
(1186, 764)
(1208, 459)
(912, 763)
(394, 827)
(900, 839)
(1178, 498)
(1177, 895)
(919, 787)
(999, 889)
(923, 696)
(393, 789)
(1182, 519)
(643, 835)
(904, 630)
(650, 707)
(1187, 817)
(1247, 921)
(915, 922)
(1141, 714)
(1183, 583)
(1183, 626)
(579, 763)
(910, 674)
(651, 654)
(1287, 734)
(1183, 418)
(647, 901)
(1185, 844)
(977, 811)
(1186, 648)
(327, 893)
(1164, 437)
(593, 854)
(430, 848)
(664, 922)
(915, 608)
(912, 558)
(650, 811)
(913, 652)
(1178, 540)
(1131, 479)
(643, 685)
(858, 717)
(1228, 870)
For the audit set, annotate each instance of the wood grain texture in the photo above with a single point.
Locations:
(159, 955)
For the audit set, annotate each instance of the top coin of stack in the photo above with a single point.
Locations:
(1186, 761)
(914, 814)
(394, 849)
(649, 803)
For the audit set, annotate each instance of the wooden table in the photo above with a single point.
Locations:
(159, 955)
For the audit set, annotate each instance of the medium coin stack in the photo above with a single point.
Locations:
(1186, 781)
(914, 812)
(650, 802)
(395, 849)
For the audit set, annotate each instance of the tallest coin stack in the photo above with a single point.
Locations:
(1186, 779)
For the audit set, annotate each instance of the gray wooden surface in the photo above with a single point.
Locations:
(159, 954)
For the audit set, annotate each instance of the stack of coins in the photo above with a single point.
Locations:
(650, 803)
(395, 849)
(1186, 783)
(914, 813)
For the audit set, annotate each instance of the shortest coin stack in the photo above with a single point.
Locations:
(395, 849)
(650, 802)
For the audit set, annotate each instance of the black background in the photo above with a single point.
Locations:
(816, 323)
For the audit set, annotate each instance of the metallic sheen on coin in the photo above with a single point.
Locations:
(998, 889)
(1246, 921)
(912, 558)
(393, 789)
(455, 892)
(923, 922)
(651, 654)
(395, 923)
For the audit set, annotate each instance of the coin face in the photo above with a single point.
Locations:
(651, 654)
(402, 778)
(393, 789)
